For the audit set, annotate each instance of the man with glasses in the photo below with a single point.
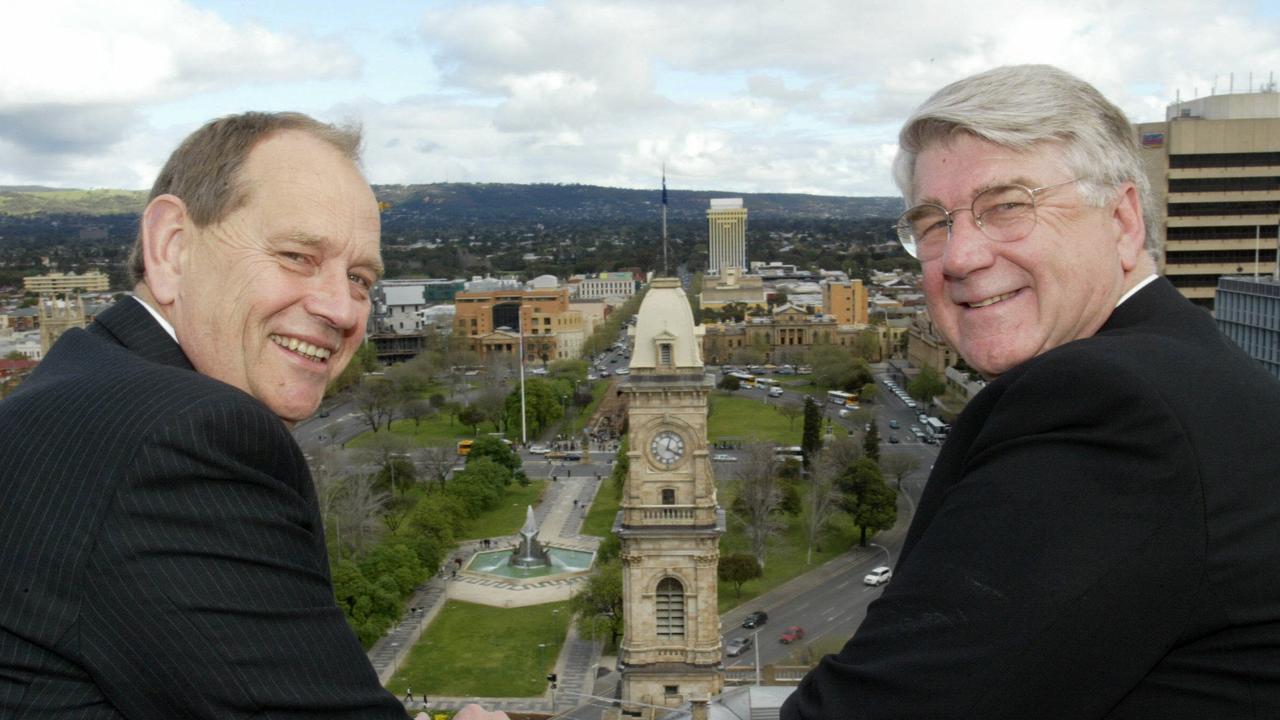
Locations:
(1098, 536)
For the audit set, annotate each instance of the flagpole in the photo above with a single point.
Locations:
(665, 272)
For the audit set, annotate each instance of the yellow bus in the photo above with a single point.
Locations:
(464, 447)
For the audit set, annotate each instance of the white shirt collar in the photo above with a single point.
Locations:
(1145, 282)
(159, 318)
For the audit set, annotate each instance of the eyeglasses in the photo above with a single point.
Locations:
(1005, 213)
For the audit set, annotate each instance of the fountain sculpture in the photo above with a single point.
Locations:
(529, 553)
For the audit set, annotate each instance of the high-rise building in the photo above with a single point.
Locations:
(1214, 166)
(727, 230)
(1248, 312)
(845, 301)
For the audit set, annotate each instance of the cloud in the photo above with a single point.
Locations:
(77, 75)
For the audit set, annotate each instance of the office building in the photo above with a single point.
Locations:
(727, 230)
(1214, 166)
(1248, 312)
(846, 301)
(63, 283)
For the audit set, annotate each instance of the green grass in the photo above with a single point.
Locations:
(481, 651)
(733, 417)
(784, 557)
(441, 429)
(604, 509)
(509, 516)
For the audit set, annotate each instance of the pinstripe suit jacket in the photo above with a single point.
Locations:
(161, 552)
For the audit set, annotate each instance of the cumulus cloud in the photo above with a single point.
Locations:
(756, 95)
(78, 74)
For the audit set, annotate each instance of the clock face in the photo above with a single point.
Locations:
(666, 448)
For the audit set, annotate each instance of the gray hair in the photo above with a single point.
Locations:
(204, 171)
(1021, 106)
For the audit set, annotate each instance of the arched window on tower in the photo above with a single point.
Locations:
(668, 496)
(664, 354)
(670, 609)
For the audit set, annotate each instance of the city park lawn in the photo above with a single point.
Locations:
(744, 419)
(439, 429)
(481, 651)
(784, 555)
(508, 517)
(604, 509)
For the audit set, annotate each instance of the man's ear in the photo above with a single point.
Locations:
(1131, 228)
(166, 231)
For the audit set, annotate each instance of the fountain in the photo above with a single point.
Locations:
(529, 553)
(531, 559)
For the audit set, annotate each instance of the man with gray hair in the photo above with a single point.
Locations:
(1097, 538)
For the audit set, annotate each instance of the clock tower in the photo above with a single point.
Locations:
(669, 522)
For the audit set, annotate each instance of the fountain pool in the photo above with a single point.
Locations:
(563, 560)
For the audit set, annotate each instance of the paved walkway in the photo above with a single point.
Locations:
(559, 517)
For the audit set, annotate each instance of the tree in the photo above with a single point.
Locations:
(376, 401)
(823, 496)
(488, 446)
(790, 411)
(572, 370)
(811, 435)
(416, 410)
(730, 383)
(864, 495)
(868, 392)
(471, 416)
(737, 568)
(358, 512)
(598, 605)
(899, 465)
(758, 496)
(437, 461)
(871, 442)
(926, 385)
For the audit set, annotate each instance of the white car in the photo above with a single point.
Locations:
(621, 371)
(878, 576)
(721, 457)
(539, 449)
(775, 392)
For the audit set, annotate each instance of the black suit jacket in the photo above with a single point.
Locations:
(1099, 538)
(161, 552)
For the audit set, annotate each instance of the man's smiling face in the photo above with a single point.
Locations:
(1001, 304)
(274, 298)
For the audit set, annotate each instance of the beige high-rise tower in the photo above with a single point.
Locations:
(670, 523)
(727, 230)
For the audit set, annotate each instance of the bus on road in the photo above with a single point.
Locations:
(841, 398)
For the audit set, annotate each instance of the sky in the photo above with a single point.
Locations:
(746, 96)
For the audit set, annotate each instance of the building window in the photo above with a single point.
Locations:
(670, 609)
(668, 496)
(671, 690)
(664, 354)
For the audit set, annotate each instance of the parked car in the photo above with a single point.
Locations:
(893, 438)
(755, 619)
(722, 457)
(737, 646)
(894, 424)
(791, 634)
(775, 392)
(539, 449)
(621, 371)
(878, 576)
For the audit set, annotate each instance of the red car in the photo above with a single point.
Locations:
(792, 634)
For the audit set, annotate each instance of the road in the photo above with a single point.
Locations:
(831, 610)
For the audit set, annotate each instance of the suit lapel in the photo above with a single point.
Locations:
(129, 324)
